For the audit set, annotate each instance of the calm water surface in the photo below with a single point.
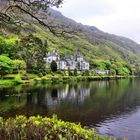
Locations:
(111, 107)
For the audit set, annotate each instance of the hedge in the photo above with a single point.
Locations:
(43, 128)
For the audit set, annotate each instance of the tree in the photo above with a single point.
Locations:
(69, 72)
(32, 50)
(19, 65)
(137, 70)
(75, 72)
(18, 11)
(112, 72)
(7, 45)
(9, 9)
(123, 71)
(6, 65)
(101, 64)
(54, 66)
(3, 46)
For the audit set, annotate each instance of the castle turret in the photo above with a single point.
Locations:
(75, 53)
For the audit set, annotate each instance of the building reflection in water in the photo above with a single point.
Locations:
(70, 93)
(99, 84)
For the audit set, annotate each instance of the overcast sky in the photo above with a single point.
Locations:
(121, 17)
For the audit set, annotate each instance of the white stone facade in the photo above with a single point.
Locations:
(72, 62)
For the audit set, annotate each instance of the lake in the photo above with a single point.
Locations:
(111, 107)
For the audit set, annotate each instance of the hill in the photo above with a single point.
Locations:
(98, 47)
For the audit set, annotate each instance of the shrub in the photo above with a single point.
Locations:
(48, 71)
(86, 73)
(59, 71)
(40, 74)
(39, 128)
(18, 79)
(36, 80)
(112, 72)
(19, 65)
(6, 83)
(45, 80)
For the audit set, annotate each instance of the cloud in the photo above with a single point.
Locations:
(115, 16)
(84, 8)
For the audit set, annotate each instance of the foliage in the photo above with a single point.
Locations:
(75, 72)
(86, 73)
(54, 66)
(18, 79)
(101, 64)
(120, 68)
(36, 128)
(69, 72)
(32, 50)
(6, 83)
(19, 65)
(7, 45)
(14, 11)
(112, 72)
(123, 71)
(6, 65)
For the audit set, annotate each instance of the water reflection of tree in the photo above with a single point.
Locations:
(54, 93)
(11, 99)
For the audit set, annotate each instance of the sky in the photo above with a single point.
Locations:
(120, 17)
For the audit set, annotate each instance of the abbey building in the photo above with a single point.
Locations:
(68, 62)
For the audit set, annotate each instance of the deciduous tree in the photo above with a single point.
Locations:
(6, 65)
(18, 11)
(32, 50)
(19, 65)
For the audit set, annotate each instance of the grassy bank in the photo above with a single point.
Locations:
(6, 82)
(39, 128)
(15, 79)
(64, 79)
(9, 81)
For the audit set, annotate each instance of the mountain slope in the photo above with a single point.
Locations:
(93, 43)
(92, 33)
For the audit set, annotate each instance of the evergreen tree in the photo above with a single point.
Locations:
(69, 72)
(75, 72)
(54, 66)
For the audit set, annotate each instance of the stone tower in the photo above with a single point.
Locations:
(75, 53)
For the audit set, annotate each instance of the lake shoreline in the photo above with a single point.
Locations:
(59, 79)
(63, 79)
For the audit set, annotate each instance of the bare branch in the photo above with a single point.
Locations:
(9, 12)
